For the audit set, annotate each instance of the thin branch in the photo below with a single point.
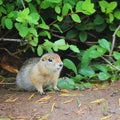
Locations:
(11, 54)
(7, 83)
(14, 40)
(113, 41)
(23, 4)
(107, 61)
(63, 37)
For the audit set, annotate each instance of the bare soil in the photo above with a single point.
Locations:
(72, 105)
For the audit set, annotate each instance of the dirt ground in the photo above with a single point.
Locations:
(92, 104)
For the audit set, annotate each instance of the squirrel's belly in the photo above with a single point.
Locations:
(23, 82)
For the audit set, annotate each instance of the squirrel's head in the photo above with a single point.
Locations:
(51, 63)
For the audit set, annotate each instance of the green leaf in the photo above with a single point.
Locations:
(103, 5)
(71, 34)
(104, 43)
(118, 33)
(102, 67)
(101, 50)
(111, 18)
(3, 21)
(67, 83)
(77, 78)
(107, 7)
(97, 52)
(43, 26)
(59, 18)
(117, 14)
(39, 50)
(98, 20)
(74, 48)
(104, 76)
(45, 4)
(83, 36)
(33, 8)
(88, 7)
(65, 10)
(3, 10)
(116, 55)
(1, 2)
(85, 61)
(23, 30)
(33, 18)
(111, 6)
(54, 1)
(33, 31)
(8, 23)
(60, 44)
(28, 1)
(79, 6)
(47, 45)
(101, 28)
(94, 54)
(117, 63)
(87, 71)
(45, 33)
(76, 18)
(10, 7)
(34, 42)
(57, 9)
(12, 14)
(57, 26)
(23, 16)
(70, 65)
(84, 86)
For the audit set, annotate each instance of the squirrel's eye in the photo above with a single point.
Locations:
(50, 60)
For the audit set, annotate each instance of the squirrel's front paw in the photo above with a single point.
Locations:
(42, 93)
(57, 90)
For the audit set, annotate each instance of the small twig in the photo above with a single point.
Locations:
(23, 4)
(113, 41)
(14, 40)
(7, 83)
(107, 61)
(63, 37)
(11, 54)
(92, 35)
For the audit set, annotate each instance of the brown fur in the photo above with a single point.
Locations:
(40, 74)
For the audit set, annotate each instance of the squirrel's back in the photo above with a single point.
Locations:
(39, 72)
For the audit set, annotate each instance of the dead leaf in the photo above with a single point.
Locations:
(31, 96)
(5, 119)
(53, 107)
(64, 91)
(45, 117)
(44, 99)
(70, 94)
(9, 68)
(98, 101)
(78, 102)
(11, 100)
(106, 117)
(119, 101)
(68, 101)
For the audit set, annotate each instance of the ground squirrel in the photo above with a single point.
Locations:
(36, 73)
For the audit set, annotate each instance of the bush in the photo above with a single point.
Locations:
(53, 25)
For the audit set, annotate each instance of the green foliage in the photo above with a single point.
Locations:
(60, 25)
(70, 65)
